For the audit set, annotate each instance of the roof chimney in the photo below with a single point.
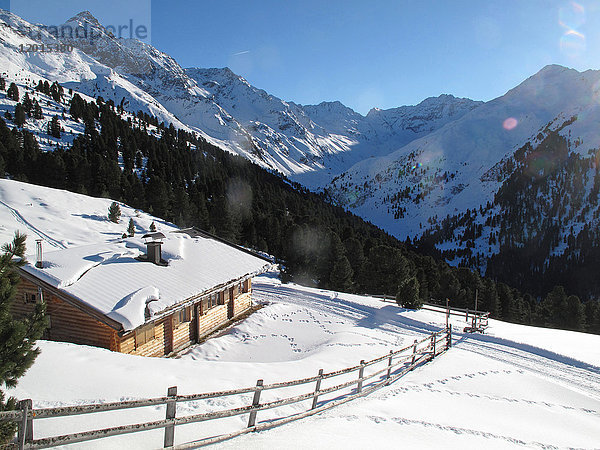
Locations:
(39, 263)
(153, 248)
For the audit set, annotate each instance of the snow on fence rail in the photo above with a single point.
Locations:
(394, 365)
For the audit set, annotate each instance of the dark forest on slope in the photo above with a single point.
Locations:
(182, 178)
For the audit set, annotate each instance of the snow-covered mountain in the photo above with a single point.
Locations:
(310, 144)
(456, 167)
(404, 169)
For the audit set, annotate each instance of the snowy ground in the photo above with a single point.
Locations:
(63, 219)
(515, 386)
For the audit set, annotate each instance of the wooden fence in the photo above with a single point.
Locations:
(381, 372)
(479, 319)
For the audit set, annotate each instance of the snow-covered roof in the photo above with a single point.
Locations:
(108, 277)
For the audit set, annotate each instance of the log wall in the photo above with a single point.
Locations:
(161, 345)
(242, 303)
(70, 324)
(213, 319)
(184, 333)
(67, 323)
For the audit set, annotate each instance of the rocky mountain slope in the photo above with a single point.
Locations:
(460, 166)
(309, 144)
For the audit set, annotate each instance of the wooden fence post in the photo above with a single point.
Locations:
(449, 337)
(255, 402)
(412, 363)
(171, 410)
(25, 433)
(433, 345)
(361, 372)
(317, 389)
(389, 371)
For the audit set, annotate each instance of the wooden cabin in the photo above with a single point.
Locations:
(152, 296)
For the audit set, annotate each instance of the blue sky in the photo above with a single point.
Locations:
(365, 54)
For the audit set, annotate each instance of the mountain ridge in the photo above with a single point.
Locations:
(290, 141)
(404, 169)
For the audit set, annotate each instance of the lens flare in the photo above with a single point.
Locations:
(510, 123)
(571, 16)
(596, 92)
(572, 43)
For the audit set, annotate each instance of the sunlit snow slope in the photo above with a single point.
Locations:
(63, 219)
(515, 386)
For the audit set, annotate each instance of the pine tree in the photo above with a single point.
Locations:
(153, 227)
(575, 316)
(556, 306)
(77, 107)
(17, 337)
(56, 91)
(19, 115)
(13, 92)
(131, 228)
(340, 277)
(114, 212)
(27, 104)
(37, 110)
(54, 127)
(2, 84)
(354, 253)
(408, 294)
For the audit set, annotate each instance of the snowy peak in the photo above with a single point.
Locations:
(221, 75)
(85, 32)
(462, 164)
(335, 107)
(427, 116)
(85, 17)
(334, 116)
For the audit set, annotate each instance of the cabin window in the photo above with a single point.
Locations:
(144, 334)
(246, 287)
(30, 297)
(182, 316)
(210, 302)
(221, 298)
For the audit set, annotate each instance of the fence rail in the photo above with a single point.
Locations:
(393, 365)
(479, 319)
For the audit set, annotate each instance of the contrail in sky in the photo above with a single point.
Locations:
(241, 53)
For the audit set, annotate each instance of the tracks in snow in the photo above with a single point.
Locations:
(563, 370)
(19, 218)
